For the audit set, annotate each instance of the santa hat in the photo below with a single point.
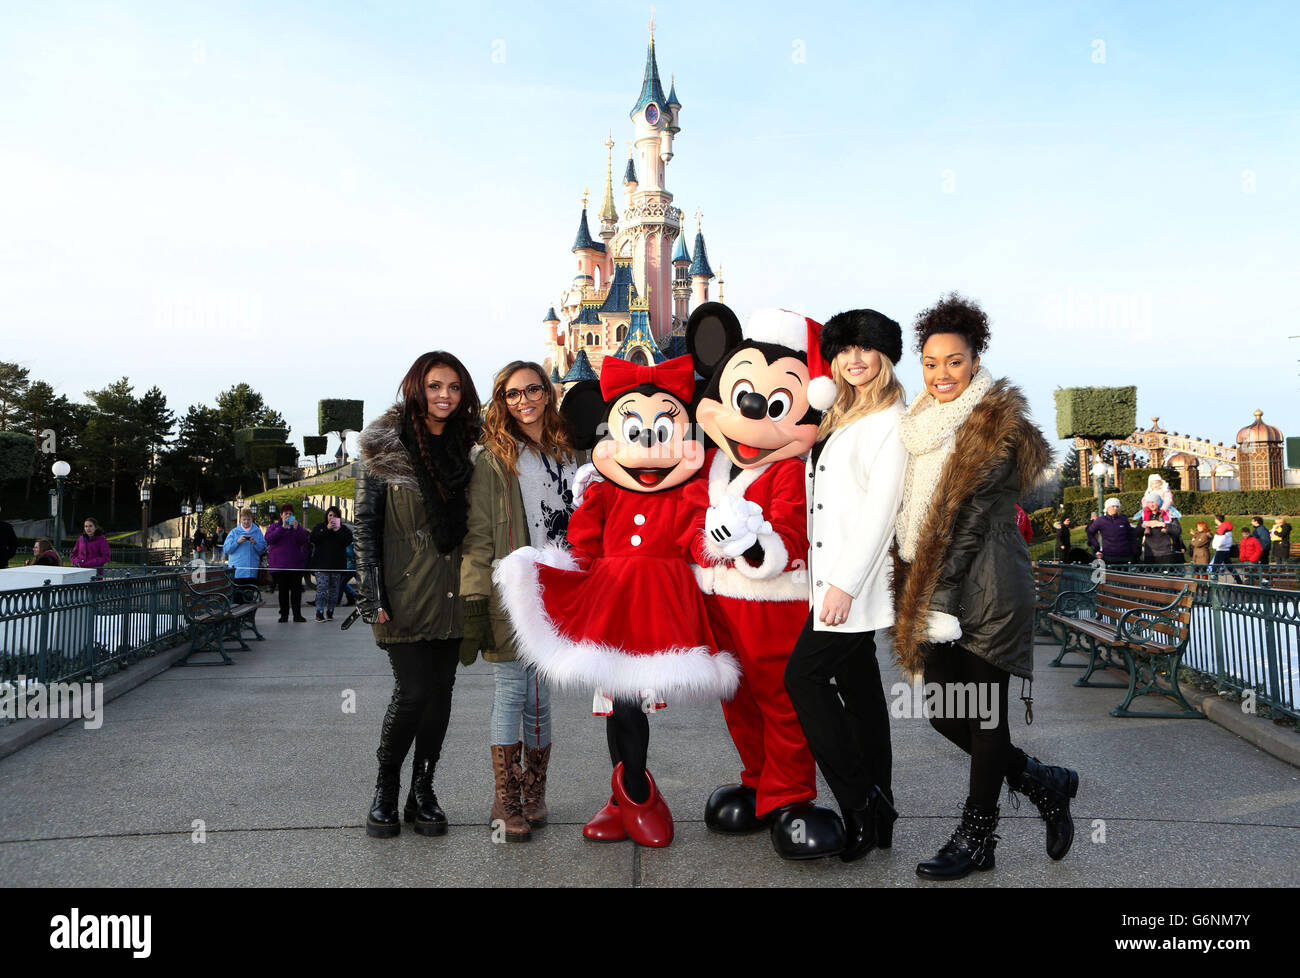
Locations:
(803, 335)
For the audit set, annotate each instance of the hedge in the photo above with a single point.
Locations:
(1096, 412)
(246, 436)
(1073, 493)
(1041, 520)
(338, 414)
(1135, 480)
(314, 445)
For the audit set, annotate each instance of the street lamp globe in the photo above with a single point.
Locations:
(60, 469)
(1099, 470)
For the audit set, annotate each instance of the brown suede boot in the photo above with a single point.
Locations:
(506, 808)
(534, 789)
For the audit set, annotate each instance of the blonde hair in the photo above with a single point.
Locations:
(245, 512)
(852, 403)
(501, 432)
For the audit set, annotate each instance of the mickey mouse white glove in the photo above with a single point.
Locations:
(733, 526)
(585, 475)
(940, 627)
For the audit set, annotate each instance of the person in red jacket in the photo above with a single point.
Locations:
(761, 409)
(1251, 549)
(91, 548)
(1023, 525)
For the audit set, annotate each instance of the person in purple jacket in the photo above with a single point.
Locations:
(91, 548)
(1111, 535)
(287, 547)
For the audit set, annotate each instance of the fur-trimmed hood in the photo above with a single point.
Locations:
(383, 453)
(997, 426)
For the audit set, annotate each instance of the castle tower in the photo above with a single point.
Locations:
(591, 254)
(700, 270)
(652, 221)
(608, 215)
(681, 280)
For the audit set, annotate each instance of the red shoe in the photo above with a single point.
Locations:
(606, 825)
(650, 823)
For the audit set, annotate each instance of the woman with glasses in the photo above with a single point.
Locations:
(521, 495)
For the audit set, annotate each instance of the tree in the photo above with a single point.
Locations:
(315, 446)
(56, 427)
(204, 460)
(156, 423)
(13, 385)
(16, 453)
(115, 445)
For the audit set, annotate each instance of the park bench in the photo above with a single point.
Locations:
(217, 610)
(1047, 584)
(1136, 622)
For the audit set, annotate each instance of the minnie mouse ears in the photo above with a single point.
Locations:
(583, 408)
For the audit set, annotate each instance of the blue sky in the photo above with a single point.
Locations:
(306, 196)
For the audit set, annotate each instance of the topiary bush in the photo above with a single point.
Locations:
(339, 414)
(1096, 413)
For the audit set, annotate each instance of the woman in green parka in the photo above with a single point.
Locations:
(412, 504)
(521, 495)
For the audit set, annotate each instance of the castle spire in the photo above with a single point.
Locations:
(652, 89)
(608, 215)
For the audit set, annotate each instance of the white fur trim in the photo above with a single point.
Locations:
(721, 483)
(775, 557)
(686, 673)
(730, 583)
(821, 393)
(778, 326)
(941, 627)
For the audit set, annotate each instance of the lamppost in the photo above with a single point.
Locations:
(144, 522)
(60, 470)
(198, 515)
(185, 525)
(1099, 471)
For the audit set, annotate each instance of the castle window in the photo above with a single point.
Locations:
(591, 339)
(638, 356)
(620, 334)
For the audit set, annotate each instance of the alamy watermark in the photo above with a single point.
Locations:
(23, 699)
(949, 701)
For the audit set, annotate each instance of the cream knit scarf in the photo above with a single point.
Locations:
(929, 432)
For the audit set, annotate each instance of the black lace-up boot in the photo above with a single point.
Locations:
(971, 846)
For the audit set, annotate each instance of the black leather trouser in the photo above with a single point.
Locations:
(847, 724)
(424, 674)
(992, 755)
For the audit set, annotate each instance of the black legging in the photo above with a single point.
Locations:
(847, 725)
(992, 755)
(289, 584)
(627, 731)
(423, 676)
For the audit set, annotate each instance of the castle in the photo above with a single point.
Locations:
(632, 290)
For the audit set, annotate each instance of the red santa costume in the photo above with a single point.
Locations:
(759, 611)
(620, 611)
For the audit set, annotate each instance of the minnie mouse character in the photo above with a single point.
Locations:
(761, 408)
(620, 610)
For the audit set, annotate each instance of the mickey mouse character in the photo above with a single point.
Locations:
(761, 408)
(620, 610)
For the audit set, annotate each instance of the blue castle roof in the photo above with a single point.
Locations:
(639, 336)
(680, 253)
(651, 89)
(629, 175)
(555, 375)
(589, 316)
(585, 239)
(550, 316)
(622, 290)
(581, 369)
(700, 265)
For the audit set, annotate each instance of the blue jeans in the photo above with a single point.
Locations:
(327, 589)
(520, 698)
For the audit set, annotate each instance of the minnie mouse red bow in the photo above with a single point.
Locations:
(677, 376)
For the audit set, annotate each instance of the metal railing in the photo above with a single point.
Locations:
(70, 632)
(1244, 636)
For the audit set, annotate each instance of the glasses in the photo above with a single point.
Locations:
(533, 392)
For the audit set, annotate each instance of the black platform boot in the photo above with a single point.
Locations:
(383, 822)
(1050, 789)
(422, 803)
(807, 831)
(971, 846)
(731, 810)
(863, 826)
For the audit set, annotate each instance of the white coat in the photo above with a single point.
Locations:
(853, 500)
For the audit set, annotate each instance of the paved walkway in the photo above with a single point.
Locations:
(280, 777)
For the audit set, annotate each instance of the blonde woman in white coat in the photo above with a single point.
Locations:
(854, 479)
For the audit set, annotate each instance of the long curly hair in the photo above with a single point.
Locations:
(502, 433)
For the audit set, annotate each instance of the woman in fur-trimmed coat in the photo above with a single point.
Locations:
(963, 585)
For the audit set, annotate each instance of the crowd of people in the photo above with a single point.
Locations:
(743, 538)
(1156, 537)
